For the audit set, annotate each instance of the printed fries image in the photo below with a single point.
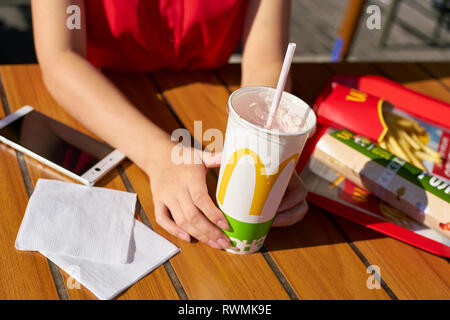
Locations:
(407, 139)
(422, 196)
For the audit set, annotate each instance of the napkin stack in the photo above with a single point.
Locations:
(91, 234)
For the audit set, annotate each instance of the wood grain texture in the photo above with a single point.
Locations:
(413, 77)
(231, 76)
(2, 110)
(24, 86)
(293, 249)
(410, 272)
(195, 96)
(205, 273)
(313, 256)
(438, 70)
(23, 275)
(157, 284)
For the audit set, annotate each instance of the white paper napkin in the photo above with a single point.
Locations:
(78, 221)
(148, 250)
(92, 235)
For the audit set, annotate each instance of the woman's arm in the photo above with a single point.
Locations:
(84, 91)
(94, 101)
(265, 40)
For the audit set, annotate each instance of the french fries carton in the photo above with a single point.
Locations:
(421, 141)
(422, 196)
(407, 124)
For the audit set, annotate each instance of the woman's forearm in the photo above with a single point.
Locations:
(94, 101)
(265, 75)
(265, 39)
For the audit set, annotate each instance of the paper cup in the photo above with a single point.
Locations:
(257, 165)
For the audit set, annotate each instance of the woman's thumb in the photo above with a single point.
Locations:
(212, 160)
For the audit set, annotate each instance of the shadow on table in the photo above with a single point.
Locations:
(318, 228)
(321, 228)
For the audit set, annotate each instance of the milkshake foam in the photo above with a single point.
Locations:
(289, 117)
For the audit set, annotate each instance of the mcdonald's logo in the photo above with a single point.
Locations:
(263, 181)
(357, 96)
(360, 195)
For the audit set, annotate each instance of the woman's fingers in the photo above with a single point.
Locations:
(212, 160)
(296, 192)
(201, 198)
(178, 215)
(291, 216)
(194, 222)
(164, 219)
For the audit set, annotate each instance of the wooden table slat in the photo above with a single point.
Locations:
(24, 86)
(23, 275)
(438, 70)
(231, 76)
(413, 77)
(313, 256)
(156, 285)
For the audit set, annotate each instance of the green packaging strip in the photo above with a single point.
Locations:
(423, 180)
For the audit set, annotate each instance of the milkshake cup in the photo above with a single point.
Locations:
(258, 162)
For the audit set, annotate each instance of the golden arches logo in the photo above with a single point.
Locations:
(263, 181)
(356, 95)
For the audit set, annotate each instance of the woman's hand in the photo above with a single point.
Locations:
(183, 206)
(293, 207)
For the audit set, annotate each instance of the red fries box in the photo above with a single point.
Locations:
(408, 124)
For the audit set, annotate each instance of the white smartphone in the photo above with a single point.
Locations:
(60, 147)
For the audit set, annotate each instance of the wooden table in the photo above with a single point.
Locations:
(323, 257)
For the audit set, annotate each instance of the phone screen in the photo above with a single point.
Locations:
(56, 142)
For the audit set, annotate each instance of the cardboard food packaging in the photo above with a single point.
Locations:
(367, 105)
(422, 196)
(419, 138)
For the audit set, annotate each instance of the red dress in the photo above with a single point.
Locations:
(147, 35)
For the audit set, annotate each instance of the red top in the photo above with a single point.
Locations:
(147, 35)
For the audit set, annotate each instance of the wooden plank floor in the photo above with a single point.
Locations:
(324, 257)
(315, 26)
